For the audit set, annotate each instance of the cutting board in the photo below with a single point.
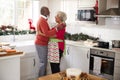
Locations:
(10, 54)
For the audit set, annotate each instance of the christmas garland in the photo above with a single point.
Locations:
(11, 30)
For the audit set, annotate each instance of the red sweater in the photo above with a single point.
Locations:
(43, 26)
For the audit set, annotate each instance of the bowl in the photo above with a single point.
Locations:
(70, 72)
(12, 46)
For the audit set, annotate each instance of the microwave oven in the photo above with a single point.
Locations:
(86, 15)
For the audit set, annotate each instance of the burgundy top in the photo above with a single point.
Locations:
(60, 35)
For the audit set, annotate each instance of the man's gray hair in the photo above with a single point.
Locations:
(62, 16)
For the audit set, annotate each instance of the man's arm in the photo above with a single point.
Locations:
(50, 33)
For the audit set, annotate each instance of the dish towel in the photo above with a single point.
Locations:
(97, 65)
(53, 50)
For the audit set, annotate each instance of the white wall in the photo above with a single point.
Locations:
(43, 3)
(54, 7)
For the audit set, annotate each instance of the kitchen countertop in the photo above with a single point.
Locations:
(89, 45)
(22, 46)
(10, 55)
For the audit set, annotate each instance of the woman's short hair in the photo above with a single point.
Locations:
(62, 16)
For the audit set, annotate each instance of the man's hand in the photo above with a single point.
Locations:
(61, 26)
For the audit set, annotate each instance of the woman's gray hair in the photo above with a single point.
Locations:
(62, 16)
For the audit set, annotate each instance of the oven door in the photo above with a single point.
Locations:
(106, 68)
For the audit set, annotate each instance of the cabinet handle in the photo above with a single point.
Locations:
(34, 62)
(68, 51)
(88, 54)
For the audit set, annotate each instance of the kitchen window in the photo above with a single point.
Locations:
(16, 12)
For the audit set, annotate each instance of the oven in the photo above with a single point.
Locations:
(102, 63)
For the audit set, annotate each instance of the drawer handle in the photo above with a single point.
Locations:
(34, 62)
(68, 51)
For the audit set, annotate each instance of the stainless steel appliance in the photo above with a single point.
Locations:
(86, 15)
(115, 43)
(107, 59)
(103, 44)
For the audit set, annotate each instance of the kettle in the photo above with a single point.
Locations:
(115, 43)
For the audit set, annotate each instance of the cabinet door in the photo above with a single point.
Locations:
(86, 3)
(10, 68)
(66, 59)
(27, 68)
(80, 58)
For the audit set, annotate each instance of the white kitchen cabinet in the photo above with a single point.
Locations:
(76, 57)
(80, 58)
(66, 59)
(28, 62)
(86, 3)
(27, 66)
(10, 67)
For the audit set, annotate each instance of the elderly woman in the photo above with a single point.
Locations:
(56, 44)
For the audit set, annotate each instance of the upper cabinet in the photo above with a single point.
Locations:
(86, 3)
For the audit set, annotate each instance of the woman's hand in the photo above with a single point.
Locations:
(60, 26)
